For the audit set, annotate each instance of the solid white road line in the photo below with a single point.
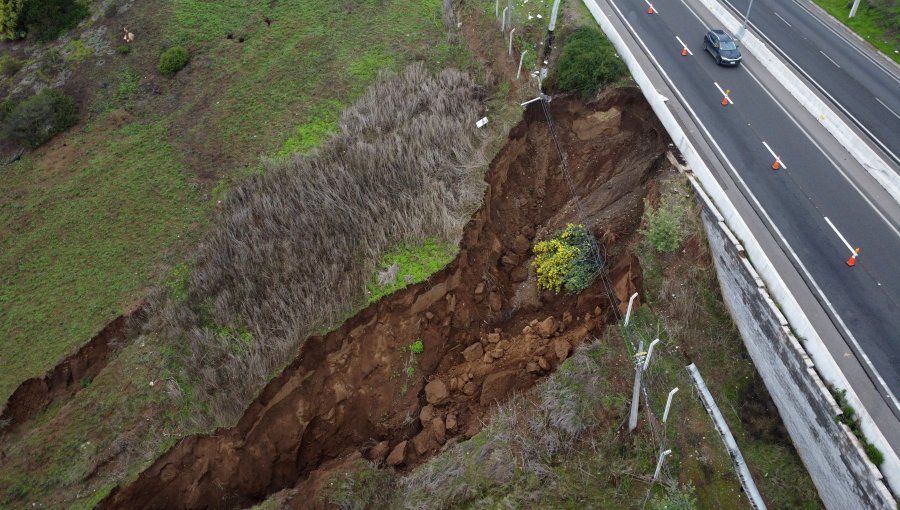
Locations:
(759, 208)
(830, 59)
(723, 93)
(836, 231)
(782, 19)
(685, 46)
(775, 155)
(888, 108)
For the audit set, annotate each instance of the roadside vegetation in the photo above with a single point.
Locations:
(587, 63)
(876, 21)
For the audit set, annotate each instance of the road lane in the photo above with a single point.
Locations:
(795, 199)
(864, 89)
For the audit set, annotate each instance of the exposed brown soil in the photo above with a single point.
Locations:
(486, 330)
(66, 378)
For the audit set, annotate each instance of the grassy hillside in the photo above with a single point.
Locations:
(93, 218)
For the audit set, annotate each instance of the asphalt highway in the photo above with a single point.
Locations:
(866, 90)
(811, 184)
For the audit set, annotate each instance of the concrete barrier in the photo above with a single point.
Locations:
(815, 356)
(877, 167)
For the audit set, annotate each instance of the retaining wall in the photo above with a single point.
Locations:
(842, 473)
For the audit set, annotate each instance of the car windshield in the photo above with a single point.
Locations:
(727, 44)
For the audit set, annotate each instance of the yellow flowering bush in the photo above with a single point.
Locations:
(566, 261)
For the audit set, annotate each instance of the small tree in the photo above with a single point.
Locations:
(40, 117)
(172, 60)
(566, 261)
(663, 226)
(10, 19)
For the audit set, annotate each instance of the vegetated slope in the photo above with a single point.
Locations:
(157, 152)
(291, 251)
(360, 387)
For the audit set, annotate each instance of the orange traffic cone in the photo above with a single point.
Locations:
(776, 164)
(725, 101)
(684, 52)
(852, 260)
(650, 10)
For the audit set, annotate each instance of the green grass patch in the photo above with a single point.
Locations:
(315, 131)
(877, 24)
(413, 263)
(78, 245)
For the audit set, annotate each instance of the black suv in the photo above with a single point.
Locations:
(721, 46)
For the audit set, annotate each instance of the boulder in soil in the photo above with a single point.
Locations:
(496, 386)
(398, 454)
(547, 327)
(436, 392)
(473, 352)
(438, 430)
(562, 349)
(426, 414)
(379, 451)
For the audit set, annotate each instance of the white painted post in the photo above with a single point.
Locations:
(669, 404)
(649, 353)
(496, 8)
(553, 13)
(521, 59)
(511, 32)
(636, 392)
(662, 457)
(628, 313)
(853, 9)
(503, 23)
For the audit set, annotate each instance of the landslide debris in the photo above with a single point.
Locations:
(485, 328)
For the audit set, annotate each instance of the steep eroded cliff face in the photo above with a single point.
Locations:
(486, 329)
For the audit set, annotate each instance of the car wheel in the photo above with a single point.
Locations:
(719, 60)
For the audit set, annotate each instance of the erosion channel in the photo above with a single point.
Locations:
(486, 329)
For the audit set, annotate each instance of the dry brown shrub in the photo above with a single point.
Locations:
(292, 249)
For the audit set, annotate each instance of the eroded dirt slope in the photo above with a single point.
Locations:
(485, 328)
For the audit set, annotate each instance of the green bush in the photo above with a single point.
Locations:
(11, 18)
(664, 226)
(566, 261)
(9, 65)
(172, 60)
(45, 20)
(39, 118)
(588, 61)
(6, 107)
(680, 497)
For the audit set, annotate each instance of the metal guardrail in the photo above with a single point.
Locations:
(743, 471)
